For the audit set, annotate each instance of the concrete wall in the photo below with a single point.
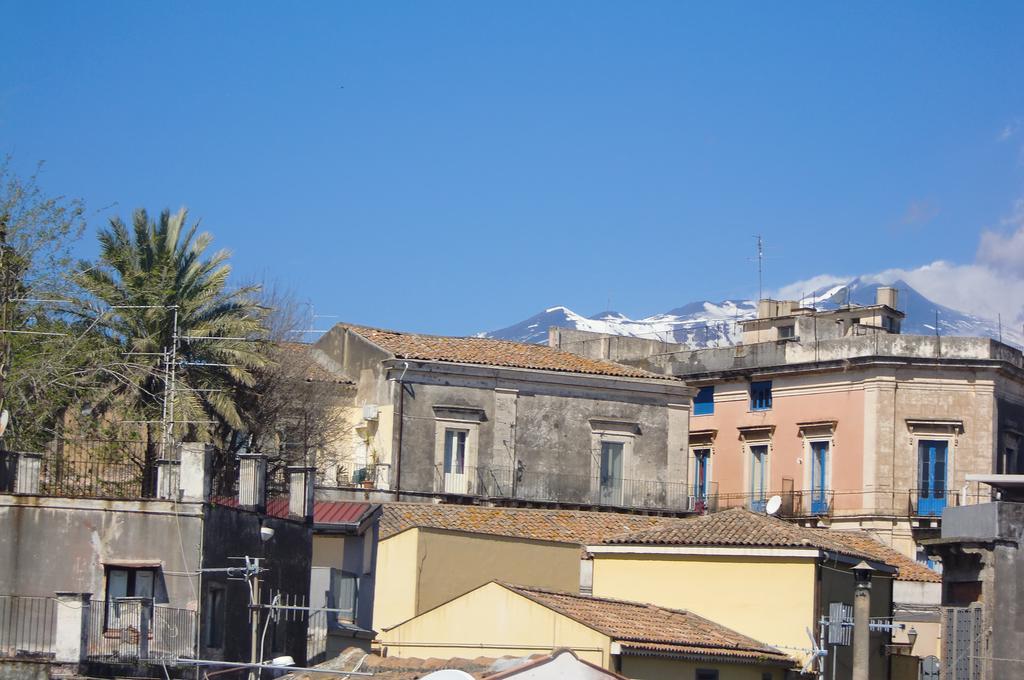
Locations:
(771, 599)
(232, 532)
(655, 668)
(493, 621)
(837, 585)
(450, 563)
(348, 553)
(62, 544)
(397, 583)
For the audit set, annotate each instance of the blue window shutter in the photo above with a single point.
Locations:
(704, 402)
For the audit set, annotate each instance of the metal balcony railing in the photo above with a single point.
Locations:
(553, 487)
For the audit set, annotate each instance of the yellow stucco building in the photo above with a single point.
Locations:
(764, 577)
(429, 554)
(638, 640)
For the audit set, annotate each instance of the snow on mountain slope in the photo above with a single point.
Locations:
(714, 324)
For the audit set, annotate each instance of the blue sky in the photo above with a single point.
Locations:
(454, 167)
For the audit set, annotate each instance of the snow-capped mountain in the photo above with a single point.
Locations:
(714, 324)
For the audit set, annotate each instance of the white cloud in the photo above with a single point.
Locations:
(799, 289)
(992, 285)
(1009, 130)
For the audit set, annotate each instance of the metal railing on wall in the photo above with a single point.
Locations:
(28, 627)
(127, 630)
(527, 485)
(78, 469)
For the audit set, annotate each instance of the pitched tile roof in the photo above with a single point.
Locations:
(741, 527)
(908, 569)
(648, 628)
(491, 352)
(306, 363)
(566, 526)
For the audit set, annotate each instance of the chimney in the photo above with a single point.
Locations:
(168, 479)
(194, 474)
(252, 481)
(300, 492)
(28, 473)
(888, 296)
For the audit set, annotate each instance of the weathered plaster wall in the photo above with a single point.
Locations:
(51, 544)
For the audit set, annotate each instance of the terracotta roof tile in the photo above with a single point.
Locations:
(491, 352)
(741, 527)
(566, 526)
(641, 626)
(909, 569)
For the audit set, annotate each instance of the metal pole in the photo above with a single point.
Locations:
(861, 643)
(254, 619)
(173, 367)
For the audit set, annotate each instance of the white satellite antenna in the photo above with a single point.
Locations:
(773, 505)
(4, 419)
(448, 674)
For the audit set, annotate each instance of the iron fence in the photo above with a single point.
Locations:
(28, 626)
(527, 485)
(78, 468)
(126, 630)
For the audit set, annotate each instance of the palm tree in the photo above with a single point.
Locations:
(154, 293)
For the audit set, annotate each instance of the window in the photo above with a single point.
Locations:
(343, 595)
(819, 476)
(701, 467)
(455, 460)
(761, 395)
(787, 332)
(126, 582)
(932, 458)
(706, 674)
(767, 675)
(213, 618)
(611, 472)
(704, 402)
(758, 477)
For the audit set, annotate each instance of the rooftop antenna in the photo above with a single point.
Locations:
(773, 505)
(760, 267)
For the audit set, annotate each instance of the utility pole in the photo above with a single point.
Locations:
(861, 621)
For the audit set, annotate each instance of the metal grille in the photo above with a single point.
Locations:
(27, 626)
(962, 643)
(126, 630)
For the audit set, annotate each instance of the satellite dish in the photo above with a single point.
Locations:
(773, 505)
(448, 674)
(4, 417)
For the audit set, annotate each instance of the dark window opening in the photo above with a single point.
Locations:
(761, 395)
(706, 674)
(704, 402)
(213, 618)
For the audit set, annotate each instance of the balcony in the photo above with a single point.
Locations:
(810, 503)
(570, 489)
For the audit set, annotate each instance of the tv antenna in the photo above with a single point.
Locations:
(760, 267)
(773, 505)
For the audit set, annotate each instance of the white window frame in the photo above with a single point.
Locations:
(472, 430)
(748, 467)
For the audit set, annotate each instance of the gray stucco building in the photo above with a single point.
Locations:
(477, 417)
(117, 558)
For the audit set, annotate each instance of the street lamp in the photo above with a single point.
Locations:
(912, 638)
